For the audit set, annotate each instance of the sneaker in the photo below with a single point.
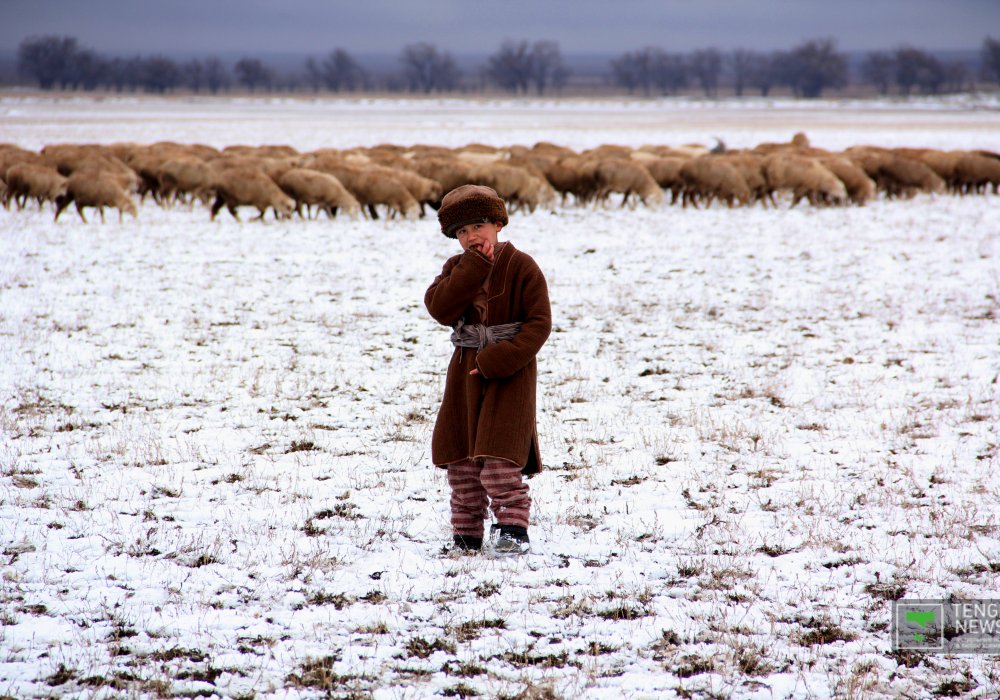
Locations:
(511, 540)
(468, 543)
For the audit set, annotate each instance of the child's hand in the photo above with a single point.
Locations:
(486, 248)
(473, 372)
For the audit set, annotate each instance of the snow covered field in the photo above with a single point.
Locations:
(760, 427)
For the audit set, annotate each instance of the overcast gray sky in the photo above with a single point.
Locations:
(479, 26)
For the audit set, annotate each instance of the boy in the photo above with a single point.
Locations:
(496, 300)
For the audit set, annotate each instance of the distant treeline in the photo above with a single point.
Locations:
(517, 67)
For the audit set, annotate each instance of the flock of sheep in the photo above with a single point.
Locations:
(402, 181)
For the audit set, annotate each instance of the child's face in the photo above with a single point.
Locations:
(482, 237)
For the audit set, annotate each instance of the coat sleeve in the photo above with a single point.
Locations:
(451, 292)
(509, 356)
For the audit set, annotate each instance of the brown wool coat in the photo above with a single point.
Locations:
(491, 414)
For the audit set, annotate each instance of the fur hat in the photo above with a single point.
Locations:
(470, 204)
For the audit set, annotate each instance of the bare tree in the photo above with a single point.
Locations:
(194, 75)
(546, 66)
(917, 68)
(630, 71)
(815, 66)
(160, 74)
(130, 73)
(990, 57)
(706, 65)
(650, 69)
(426, 69)
(877, 69)
(742, 63)
(765, 71)
(511, 66)
(314, 74)
(216, 75)
(252, 73)
(956, 76)
(287, 81)
(87, 70)
(341, 72)
(670, 72)
(117, 76)
(47, 59)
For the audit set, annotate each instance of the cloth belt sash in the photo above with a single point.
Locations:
(476, 335)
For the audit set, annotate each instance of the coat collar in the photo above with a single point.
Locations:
(498, 278)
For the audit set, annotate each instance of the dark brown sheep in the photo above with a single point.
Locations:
(666, 170)
(11, 155)
(624, 175)
(185, 179)
(449, 172)
(975, 172)
(372, 188)
(236, 187)
(894, 174)
(424, 189)
(66, 157)
(860, 188)
(312, 187)
(751, 167)
(114, 168)
(710, 177)
(43, 183)
(574, 175)
(545, 148)
(518, 188)
(96, 189)
(804, 177)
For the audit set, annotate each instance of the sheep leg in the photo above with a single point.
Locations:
(371, 210)
(217, 205)
(79, 210)
(600, 198)
(61, 203)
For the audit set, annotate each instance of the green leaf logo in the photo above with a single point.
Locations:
(924, 618)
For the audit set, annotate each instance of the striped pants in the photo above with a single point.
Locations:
(478, 483)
